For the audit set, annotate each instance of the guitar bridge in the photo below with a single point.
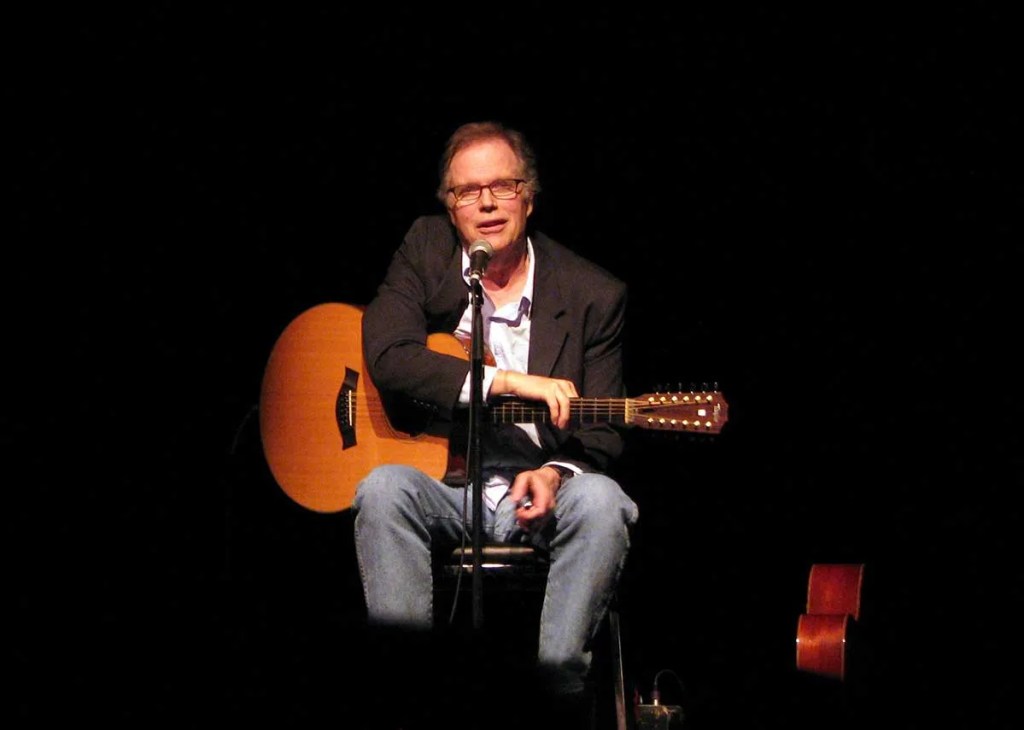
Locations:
(345, 408)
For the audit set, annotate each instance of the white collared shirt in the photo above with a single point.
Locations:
(506, 334)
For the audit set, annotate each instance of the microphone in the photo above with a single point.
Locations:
(479, 254)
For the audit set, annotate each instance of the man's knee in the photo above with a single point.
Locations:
(600, 501)
(383, 487)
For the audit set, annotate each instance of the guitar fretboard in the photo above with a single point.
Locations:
(582, 411)
(704, 411)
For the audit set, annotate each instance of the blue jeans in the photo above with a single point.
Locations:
(402, 515)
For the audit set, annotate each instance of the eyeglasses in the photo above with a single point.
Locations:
(501, 189)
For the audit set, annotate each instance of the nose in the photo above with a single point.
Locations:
(489, 201)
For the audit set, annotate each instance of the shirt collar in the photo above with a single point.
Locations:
(526, 302)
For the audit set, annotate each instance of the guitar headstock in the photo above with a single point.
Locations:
(704, 411)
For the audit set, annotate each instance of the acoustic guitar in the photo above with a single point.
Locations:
(324, 425)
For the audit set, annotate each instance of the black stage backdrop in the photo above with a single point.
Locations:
(816, 212)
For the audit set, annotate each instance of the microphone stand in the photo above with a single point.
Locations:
(474, 466)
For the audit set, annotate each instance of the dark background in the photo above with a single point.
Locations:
(816, 211)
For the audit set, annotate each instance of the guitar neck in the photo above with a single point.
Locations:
(695, 412)
(581, 411)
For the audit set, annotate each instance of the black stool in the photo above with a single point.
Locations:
(518, 575)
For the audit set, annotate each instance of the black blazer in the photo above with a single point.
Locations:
(576, 332)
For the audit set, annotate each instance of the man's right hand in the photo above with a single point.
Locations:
(553, 391)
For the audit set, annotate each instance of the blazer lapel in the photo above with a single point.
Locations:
(548, 328)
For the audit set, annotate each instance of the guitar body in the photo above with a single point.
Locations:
(314, 375)
(324, 425)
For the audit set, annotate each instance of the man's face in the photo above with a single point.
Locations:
(499, 222)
